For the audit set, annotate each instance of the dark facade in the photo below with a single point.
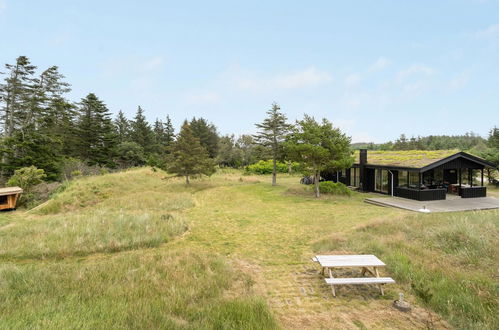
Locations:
(460, 174)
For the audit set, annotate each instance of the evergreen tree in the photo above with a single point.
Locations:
(29, 123)
(207, 135)
(169, 132)
(96, 135)
(493, 140)
(141, 132)
(159, 133)
(122, 126)
(188, 156)
(272, 132)
(318, 147)
(16, 95)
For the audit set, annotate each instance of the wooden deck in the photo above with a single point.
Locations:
(451, 204)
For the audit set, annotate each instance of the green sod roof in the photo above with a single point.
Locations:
(405, 158)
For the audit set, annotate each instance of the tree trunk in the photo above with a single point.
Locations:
(187, 180)
(274, 172)
(317, 177)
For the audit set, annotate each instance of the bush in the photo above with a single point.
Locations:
(266, 167)
(334, 188)
(130, 154)
(73, 167)
(26, 178)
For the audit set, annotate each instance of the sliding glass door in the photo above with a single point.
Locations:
(381, 181)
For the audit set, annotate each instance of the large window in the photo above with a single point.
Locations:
(402, 179)
(354, 177)
(381, 180)
(414, 179)
(476, 176)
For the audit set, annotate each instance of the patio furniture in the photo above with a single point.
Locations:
(369, 264)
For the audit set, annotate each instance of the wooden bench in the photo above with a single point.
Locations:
(360, 280)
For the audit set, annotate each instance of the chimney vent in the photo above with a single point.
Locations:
(363, 157)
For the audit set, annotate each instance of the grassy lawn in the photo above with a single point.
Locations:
(132, 250)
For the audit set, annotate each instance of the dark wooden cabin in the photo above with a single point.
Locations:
(418, 174)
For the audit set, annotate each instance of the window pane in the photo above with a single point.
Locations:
(384, 181)
(378, 180)
(357, 177)
(414, 179)
(402, 179)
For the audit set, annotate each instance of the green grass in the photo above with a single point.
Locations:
(449, 261)
(136, 250)
(135, 291)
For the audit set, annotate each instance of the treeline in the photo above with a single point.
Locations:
(40, 126)
(467, 141)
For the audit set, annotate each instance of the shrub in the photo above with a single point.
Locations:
(266, 167)
(334, 188)
(130, 154)
(26, 178)
(73, 167)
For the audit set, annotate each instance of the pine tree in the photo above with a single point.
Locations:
(26, 100)
(122, 125)
(272, 132)
(493, 140)
(96, 135)
(207, 135)
(159, 133)
(141, 132)
(318, 147)
(169, 132)
(188, 156)
(17, 95)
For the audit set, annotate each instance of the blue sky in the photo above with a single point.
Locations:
(376, 69)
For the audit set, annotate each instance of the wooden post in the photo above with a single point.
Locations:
(459, 178)
(482, 178)
(470, 177)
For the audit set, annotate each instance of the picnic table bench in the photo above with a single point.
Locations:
(368, 262)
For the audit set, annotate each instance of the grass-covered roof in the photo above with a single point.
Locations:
(405, 158)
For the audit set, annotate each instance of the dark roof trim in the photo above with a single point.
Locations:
(389, 167)
(455, 156)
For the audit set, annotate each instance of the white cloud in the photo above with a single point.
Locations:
(249, 81)
(202, 97)
(416, 69)
(352, 80)
(152, 64)
(3, 6)
(380, 64)
(458, 82)
(489, 32)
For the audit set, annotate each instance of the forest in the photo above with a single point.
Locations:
(41, 127)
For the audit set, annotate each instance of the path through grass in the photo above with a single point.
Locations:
(229, 252)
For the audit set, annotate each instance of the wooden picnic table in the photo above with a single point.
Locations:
(368, 262)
